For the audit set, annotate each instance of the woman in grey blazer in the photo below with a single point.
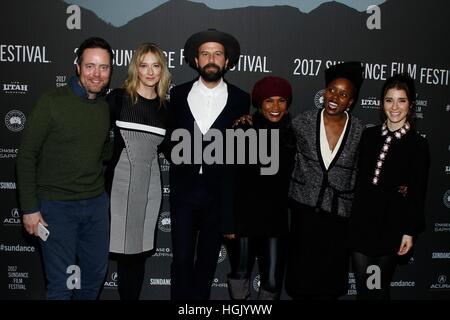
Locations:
(321, 189)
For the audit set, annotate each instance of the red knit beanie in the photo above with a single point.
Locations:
(271, 86)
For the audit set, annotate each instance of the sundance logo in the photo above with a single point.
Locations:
(402, 283)
(163, 164)
(15, 120)
(16, 248)
(159, 282)
(164, 222)
(222, 254)
(318, 98)
(256, 283)
(7, 185)
(447, 199)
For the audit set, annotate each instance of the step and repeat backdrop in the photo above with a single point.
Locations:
(37, 52)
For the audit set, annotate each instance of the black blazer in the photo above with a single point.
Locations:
(182, 176)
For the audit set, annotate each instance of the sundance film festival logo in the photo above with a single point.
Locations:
(351, 284)
(421, 105)
(164, 222)
(15, 88)
(403, 284)
(222, 254)
(318, 99)
(163, 164)
(60, 81)
(15, 120)
(7, 185)
(13, 219)
(447, 199)
(16, 248)
(256, 283)
(17, 278)
(159, 282)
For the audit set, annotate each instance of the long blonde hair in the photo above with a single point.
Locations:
(132, 82)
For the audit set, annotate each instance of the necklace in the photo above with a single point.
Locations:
(398, 134)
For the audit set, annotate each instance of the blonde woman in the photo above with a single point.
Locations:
(138, 118)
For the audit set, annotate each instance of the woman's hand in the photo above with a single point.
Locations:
(406, 245)
(230, 236)
(243, 120)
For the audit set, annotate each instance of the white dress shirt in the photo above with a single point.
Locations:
(327, 154)
(206, 104)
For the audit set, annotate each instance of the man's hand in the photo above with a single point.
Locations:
(31, 221)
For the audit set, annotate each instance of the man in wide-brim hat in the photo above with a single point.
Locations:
(200, 195)
(230, 44)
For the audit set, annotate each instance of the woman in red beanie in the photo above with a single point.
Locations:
(261, 213)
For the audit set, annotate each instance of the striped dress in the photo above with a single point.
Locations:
(134, 172)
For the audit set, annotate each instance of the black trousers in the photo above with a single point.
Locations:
(196, 242)
(271, 255)
(373, 283)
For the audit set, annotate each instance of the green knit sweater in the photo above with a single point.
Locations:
(62, 149)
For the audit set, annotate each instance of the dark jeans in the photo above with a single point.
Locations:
(79, 237)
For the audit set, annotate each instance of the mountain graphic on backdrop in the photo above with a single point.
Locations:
(118, 12)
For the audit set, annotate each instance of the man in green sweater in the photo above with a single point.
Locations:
(60, 180)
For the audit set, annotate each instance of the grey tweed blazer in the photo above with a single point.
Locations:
(312, 184)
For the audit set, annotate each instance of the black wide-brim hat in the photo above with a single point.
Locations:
(352, 70)
(231, 45)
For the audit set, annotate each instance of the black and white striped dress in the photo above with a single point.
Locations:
(136, 182)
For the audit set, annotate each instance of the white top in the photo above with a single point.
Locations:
(327, 154)
(206, 104)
